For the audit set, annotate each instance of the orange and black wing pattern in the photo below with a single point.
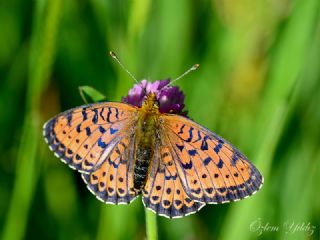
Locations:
(211, 170)
(164, 193)
(98, 141)
(85, 136)
(112, 182)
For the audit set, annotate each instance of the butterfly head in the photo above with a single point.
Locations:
(159, 95)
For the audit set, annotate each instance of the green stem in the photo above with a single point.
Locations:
(151, 225)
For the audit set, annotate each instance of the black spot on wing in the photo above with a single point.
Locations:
(196, 191)
(84, 114)
(88, 131)
(192, 152)
(180, 147)
(181, 129)
(101, 113)
(190, 134)
(88, 164)
(102, 129)
(95, 116)
(101, 143)
(94, 177)
(207, 161)
(117, 113)
(204, 144)
(113, 163)
(187, 165)
(69, 118)
(171, 177)
(218, 147)
(108, 115)
(234, 159)
(220, 163)
(78, 128)
(113, 130)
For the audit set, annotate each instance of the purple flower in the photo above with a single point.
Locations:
(170, 98)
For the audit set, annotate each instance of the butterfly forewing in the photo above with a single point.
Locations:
(211, 170)
(83, 137)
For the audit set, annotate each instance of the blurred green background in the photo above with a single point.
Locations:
(258, 86)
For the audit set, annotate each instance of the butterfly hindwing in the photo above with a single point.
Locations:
(163, 192)
(211, 169)
(113, 181)
(83, 137)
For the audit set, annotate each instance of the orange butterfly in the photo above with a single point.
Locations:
(123, 150)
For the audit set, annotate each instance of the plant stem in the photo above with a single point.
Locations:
(151, 225)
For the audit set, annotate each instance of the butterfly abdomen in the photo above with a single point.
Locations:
(145, 136)
(143, 156)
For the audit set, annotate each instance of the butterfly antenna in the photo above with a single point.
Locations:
(193, 68)
(115, 57)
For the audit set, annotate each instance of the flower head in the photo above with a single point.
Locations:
(170, 98)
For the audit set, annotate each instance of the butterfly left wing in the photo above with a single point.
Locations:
(211, 169)
(163, 192)
(84, 137)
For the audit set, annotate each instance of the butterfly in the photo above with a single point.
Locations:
(125, 150)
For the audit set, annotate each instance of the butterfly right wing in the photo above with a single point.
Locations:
(211, 169)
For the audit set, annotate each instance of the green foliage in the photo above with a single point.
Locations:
(94, 94)
(258, 86)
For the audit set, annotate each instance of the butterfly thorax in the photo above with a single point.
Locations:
(145, 140)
